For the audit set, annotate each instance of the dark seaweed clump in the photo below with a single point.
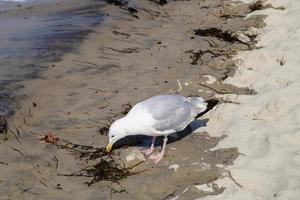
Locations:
(218, 33)
(3, 125)
(105, 167)
(258, 5)
(129, 5)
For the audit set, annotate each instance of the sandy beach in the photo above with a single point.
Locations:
(239, 52)
(265, 127)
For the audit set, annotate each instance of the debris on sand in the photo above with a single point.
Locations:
(3, 125)
(105, 167)
(196, 56)
(104, 170)
(104, 130)
(49, 138)
(174, 167)
(258, 5)
(227, 36)
(125, 4)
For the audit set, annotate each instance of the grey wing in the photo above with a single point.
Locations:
(169, 112)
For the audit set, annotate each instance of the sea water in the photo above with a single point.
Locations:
(29, 40)
(9, 4)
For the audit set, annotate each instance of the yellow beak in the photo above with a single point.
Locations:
(109, 147)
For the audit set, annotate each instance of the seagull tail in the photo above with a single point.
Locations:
(211, 103)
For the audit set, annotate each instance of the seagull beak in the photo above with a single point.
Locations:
(109, 147)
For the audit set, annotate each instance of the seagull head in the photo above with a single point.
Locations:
(116, 132)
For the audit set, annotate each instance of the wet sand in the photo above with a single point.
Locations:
(123, 61)
(36, 33)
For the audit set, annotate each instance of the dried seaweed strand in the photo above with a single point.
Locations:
(107, 168)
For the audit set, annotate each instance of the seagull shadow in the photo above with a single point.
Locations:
(145, 141)
(194, 125)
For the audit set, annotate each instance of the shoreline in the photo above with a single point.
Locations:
(35, 35)
(122, 62)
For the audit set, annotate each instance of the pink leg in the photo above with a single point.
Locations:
(157, 157)
(149, 151)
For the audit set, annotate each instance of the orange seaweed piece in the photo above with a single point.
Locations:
(49, 138)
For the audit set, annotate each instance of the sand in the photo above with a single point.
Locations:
(125, 60)
(265, 127)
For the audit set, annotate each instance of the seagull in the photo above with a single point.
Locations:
(159, 115)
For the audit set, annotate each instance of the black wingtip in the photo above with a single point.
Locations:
(211, 103)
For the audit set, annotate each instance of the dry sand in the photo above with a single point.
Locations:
(265, 127)
(123, 61)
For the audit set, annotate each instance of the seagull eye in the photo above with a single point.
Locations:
(112, 136)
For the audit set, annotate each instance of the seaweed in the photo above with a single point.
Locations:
(170, 195)
(224, 35)
(125, 4)
(104, 130)
(196, 56)
(104, 170)
(218, 33)
(160, 2)
(128, 4)
(258, 5)
(228, 16)
(126, 50)
(121, 33)
(107, 168)
(3, 125)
